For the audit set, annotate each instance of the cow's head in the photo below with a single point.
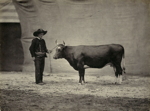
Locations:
(59, 50)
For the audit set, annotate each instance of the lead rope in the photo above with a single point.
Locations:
(50, 63)
(51, 70)
(53, 48)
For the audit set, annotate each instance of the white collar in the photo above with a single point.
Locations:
(38, 38)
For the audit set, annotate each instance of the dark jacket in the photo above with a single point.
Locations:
(38, 45)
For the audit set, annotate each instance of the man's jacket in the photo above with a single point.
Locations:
(38, 45)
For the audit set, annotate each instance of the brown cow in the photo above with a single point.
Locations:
(96, 56)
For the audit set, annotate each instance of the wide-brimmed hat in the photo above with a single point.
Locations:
(36, 33)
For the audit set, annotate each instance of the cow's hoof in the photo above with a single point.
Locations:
(119, 83)
(79, 83)
(83, 83)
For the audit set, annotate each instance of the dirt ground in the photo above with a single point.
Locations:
(63, 93)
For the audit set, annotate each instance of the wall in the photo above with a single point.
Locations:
(87, 22)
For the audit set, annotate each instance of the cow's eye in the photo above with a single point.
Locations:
(59, 50)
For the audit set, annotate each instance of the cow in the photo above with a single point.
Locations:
(93, 56)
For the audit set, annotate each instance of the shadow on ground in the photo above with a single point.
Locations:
(27, 100)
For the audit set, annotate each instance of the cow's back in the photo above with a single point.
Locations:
(99, 55)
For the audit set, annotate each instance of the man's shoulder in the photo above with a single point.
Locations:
(35, 39)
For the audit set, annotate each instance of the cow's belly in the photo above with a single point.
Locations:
(96, 63)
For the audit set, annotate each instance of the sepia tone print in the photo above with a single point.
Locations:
(77, 26)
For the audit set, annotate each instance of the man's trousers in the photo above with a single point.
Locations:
(39, 68)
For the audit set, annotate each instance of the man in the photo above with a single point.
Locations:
(38, 52)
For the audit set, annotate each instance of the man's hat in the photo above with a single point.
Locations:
(36, 33)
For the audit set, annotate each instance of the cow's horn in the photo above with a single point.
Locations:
(63, 42)
(56, 42)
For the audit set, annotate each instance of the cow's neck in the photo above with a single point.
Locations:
(69, 56)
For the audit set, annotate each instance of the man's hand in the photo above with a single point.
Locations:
(33, 58)
(49, 51)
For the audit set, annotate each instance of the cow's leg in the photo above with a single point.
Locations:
(116, 75)
(81, 70)
(120, 81)
(119, 73)
(117, 64)
(81, 76)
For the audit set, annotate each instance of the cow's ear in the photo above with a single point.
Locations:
(63, 42)
(56, 42)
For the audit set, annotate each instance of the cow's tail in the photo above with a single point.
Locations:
(123, 57)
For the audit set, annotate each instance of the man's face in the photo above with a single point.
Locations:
(41, 35)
